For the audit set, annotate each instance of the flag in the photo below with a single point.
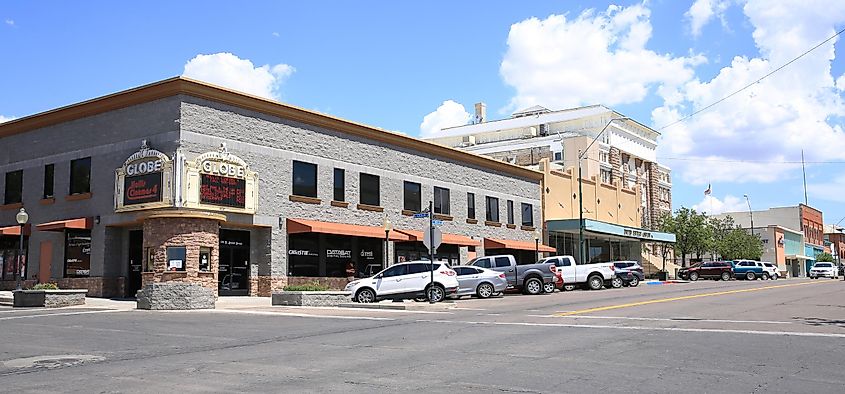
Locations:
(708, 191)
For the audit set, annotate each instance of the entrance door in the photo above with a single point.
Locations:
(233, 275)
(44, 265)
(136, 255)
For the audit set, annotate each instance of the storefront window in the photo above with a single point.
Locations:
(370, 189)
(77, 253)
(492, 209)
(413, 197)
(176, 258)
(339, 184)
(303, 258)
(14, 187)
(441, 201)
(304, 179)
(80, 176)
(470, 205)
(338, 252)
(205, 259)
(9, 250)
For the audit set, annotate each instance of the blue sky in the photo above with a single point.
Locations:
(390, 64)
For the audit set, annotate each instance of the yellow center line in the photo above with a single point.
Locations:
(688, 297)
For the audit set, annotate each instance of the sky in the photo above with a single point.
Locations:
(416, 67)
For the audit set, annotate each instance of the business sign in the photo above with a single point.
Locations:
(338, 253)
(220, 181)
(222, 191)
(143, 181)
(142, 189)
(78, 253)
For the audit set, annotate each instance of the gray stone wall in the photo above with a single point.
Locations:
(175, 296)
(311, 298)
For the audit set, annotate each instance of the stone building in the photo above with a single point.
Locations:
(184, 182)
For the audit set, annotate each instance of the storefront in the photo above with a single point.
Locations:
(10, 250)
(603, 242)
(525, 252)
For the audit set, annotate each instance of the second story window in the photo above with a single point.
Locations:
(413, 197)
(304, 179)
(441, 200)
(80, 176)
(510, 212)
(14, 187)
(370, 189)
(492, 209)
(339, 184)
(49, 172)
(527, 215)
(470, 205)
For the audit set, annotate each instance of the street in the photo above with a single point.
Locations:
(706, 336)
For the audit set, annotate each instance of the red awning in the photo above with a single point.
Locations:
(15, 230)
(490, 243)
(449, 239)
(69, 224)
(296, 226)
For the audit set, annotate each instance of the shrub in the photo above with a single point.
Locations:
(306, 287)
(45, 286)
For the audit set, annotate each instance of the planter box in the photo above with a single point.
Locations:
(311, 298)
(49, 298)
(174, 296)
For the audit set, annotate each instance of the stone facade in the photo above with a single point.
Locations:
(175, 296)
(524, 157)
(615, 162)
(96, 286)
(311, 298)
(190, 232)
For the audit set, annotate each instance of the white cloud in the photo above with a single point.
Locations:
(228, 70)
(714, 206)
(275, 34)
(10, 22)
(597, 57)
(448, 114)
(702, 11)
(6, 118)
(831, 189)
(773, 120)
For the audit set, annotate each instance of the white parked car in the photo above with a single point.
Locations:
(404, 281)
(824, 270)
(772, 270)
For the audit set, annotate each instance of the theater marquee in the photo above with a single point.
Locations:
(144, 181)
(220, 181)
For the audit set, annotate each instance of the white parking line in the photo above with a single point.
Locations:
(672, 319)
(639, 328)
(288, 314)
(468, 309)
(60, 314)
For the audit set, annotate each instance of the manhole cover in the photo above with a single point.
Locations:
(50, 362)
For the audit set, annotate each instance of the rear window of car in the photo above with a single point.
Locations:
(824, 265)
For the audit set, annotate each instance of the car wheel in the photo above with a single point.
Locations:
(549, 287)
(568, 287)
(595, 282)
(765, 276)
(693, 276)
(436, 293)
(750, 276)
(726, 276)
(365, 296)
(533, 286)
(484, 290)
(616, 282)
(634, 281)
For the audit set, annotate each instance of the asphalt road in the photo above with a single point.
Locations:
(709, 337)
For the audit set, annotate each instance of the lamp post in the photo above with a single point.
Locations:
(581, 154)
(387, 227)
(22, 217)
(750, 213)
(537, 236)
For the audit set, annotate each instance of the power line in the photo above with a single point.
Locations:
(749, 161)
(713, 104)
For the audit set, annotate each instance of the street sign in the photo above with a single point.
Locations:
(420, 215)
(436, 222)
(438, 238)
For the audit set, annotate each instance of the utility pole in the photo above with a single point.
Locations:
(431, 249)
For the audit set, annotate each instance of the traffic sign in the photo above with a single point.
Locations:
(438, 238)
(421, 215)
(436, 222)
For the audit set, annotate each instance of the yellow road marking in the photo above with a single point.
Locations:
(606, 308)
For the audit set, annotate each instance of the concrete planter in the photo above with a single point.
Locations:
(311, 298)
(175, 296)
(49, 298)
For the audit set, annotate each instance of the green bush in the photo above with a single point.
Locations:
(45, 286)
(306, 287)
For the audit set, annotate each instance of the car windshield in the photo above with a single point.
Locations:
(824, 265)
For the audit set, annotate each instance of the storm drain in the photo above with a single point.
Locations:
(51, 362)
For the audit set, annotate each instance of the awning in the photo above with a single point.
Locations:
(490, 243)
(449, 239)
(296, 226)
(798, 257)
(15, 230)
(69, 224)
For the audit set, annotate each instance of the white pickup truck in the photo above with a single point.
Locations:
(595, 275)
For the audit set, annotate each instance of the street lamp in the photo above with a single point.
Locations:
(750, 213)
(22, 217)
(537, 236)
(387, 227)
(581, 154)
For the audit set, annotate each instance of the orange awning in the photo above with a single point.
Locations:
(69, 224)
(15, 230)
(296, 226)
(449, 239)
(490, 243)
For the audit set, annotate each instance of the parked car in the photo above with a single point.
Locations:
(634, 268)
(406, 281)
(622, 279)
(824, 270)
(595, 276)
(480, 282)
(530, 278)
(711, 270)
(841, 270)
(750, 270)
(772, 270)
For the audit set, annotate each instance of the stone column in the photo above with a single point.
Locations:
(616, 163)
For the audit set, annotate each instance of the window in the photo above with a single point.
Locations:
(339, 184)
(80, 176)
(418, 268)
(527, 215)
(605, 176)
(604, 157)
(558, 156)
(471, 205)
(304, 179)
(441, 200)
(502, 262)
(205, 259)
(14, 187)
(49, 171)
(492, 209)
(396, 270)
(370, 189)
(413, 197)
(77, 253)
(176, 258)
(483, 263)
(510, 212)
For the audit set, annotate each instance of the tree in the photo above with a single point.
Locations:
(692, 234)
(824, 257)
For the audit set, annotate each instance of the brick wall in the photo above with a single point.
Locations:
(192, 233)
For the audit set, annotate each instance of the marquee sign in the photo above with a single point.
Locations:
(221, 181)
(144, 181)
